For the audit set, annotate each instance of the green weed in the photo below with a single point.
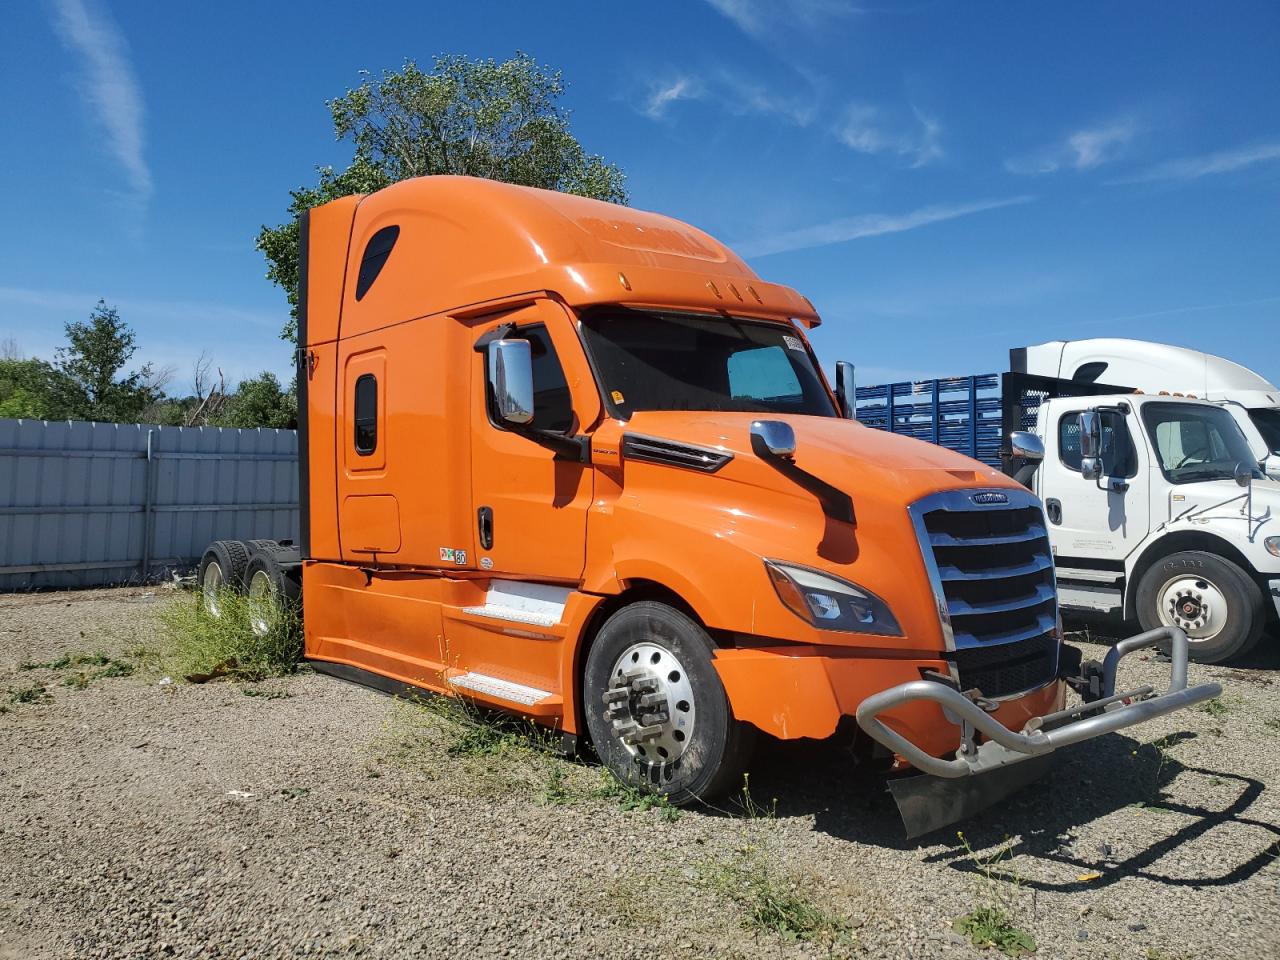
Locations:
(203, 647)
(82, 678)
(33, 693)
(630, 798)
(1216, 708)
(781, 905)
(991, 927)
(991, 923)
(751, 808)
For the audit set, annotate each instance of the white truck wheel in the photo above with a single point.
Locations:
(1215, 603)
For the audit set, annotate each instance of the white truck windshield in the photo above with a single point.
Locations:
(666, 361)
(1267, 420)
(1196, 442)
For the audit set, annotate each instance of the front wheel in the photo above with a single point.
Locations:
(656, 710)
(1215, 603)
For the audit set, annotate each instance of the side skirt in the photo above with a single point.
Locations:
(568, 745)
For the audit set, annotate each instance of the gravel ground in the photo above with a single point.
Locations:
(313, 818)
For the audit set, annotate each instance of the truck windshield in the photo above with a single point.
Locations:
(1267, 420)
(1196, 442)
(667, 361)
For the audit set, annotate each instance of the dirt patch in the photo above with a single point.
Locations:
(301, 816)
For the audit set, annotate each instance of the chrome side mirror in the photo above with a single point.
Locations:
(511, 380)
(1090, 427)
(773, 438)
(1026, 446)
(846, 394)
(1243, 474)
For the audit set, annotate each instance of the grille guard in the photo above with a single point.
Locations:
(1041, 735)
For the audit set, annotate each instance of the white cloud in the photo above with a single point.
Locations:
(733, 92)
(109, 84)
(661, 95)
(1192, 168)
(865, 129)
(1080, 150)
(867, 225)
(760, 17)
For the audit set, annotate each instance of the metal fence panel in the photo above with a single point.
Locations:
(85, 504)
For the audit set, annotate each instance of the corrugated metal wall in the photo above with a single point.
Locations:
(84, 504)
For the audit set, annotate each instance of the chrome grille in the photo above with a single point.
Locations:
(992, 575)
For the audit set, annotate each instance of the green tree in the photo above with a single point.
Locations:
(477, 118)
(261, 402)
(91, 365)
(31, 389)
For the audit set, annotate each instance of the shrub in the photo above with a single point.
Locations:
(203, 647)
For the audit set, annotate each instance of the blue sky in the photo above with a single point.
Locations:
(944, 180)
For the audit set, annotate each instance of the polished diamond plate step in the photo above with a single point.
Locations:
(501, 689)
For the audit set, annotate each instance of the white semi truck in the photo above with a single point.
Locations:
(1160, 367)
(1156, 507)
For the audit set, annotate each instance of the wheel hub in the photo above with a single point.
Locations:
(210, 587)
(649, 704)
(262, 603)
(1195, 605)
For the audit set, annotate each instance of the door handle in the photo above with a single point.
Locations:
(484, 521)
(1053, 508)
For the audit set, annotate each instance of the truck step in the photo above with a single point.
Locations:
(537, 604)
(500, 689)
(1082, 597)
(1085, 575)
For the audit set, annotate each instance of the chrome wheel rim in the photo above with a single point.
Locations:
(262, 603)
(210, 586)
(649, 704)
(1194, 604)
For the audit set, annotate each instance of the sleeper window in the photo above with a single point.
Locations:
(366, 414)
(375, 258)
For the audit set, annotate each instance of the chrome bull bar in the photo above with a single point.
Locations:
(1041, 735)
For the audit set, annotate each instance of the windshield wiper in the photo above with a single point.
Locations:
(1205, 473)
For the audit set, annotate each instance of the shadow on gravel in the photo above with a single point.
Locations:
(1114, 775)
(1097, 628)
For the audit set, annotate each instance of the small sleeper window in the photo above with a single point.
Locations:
(366, 414)
(375, 256)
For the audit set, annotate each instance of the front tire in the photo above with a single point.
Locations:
(1216, 604)
(656, 710)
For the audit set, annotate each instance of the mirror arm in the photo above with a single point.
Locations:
(501, 332)
(574, 449)
(836, 504)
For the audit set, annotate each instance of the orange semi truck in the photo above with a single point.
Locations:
(578, 462)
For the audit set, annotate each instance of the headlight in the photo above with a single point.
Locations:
(1273, 546)
(830, 603)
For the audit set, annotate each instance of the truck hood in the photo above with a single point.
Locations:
(873, 466)
(706, 532)
(1224, 501)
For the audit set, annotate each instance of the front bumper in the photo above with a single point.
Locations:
(1275, 594)
(1039, 736)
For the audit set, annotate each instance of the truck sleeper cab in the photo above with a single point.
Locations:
(578, 462)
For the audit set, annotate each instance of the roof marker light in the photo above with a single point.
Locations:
(714, 289)
(752, 290)
(622, 278)
(735, 291)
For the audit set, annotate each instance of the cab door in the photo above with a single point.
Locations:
(1103, 519)
(530, 506)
